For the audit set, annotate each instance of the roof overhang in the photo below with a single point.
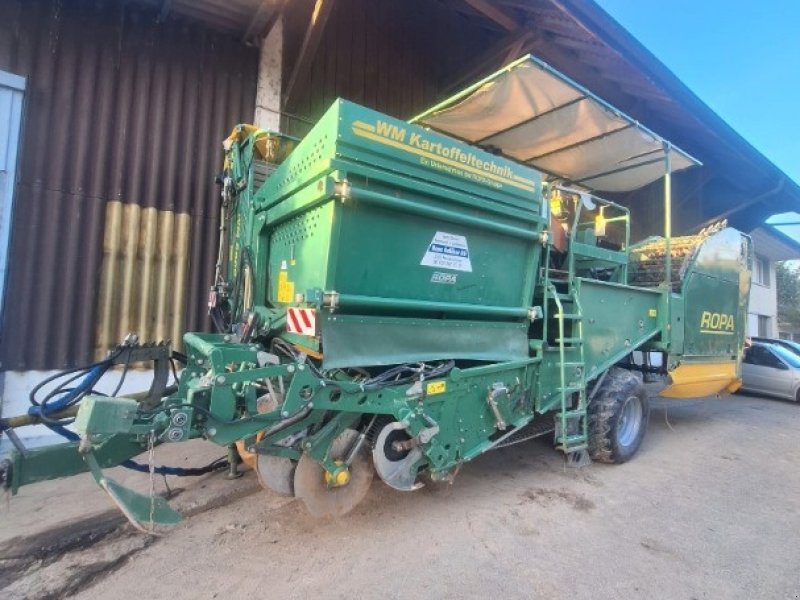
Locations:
(774, 244)
(535, 115)
(580, 39)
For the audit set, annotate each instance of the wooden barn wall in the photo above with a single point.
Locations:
(397, 57)
(689, 206)
(119, 107)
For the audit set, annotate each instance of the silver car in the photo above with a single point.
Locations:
(788, 344)
(771, 370)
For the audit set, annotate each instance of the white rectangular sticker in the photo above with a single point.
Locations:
(439, 277)
(448, 251)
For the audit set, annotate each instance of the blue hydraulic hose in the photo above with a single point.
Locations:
(68, 398)
(86, 385)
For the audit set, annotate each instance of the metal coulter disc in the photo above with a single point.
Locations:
(397, 470)
(275, 473)
(323, 501)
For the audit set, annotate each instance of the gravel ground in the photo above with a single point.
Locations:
(709, 508)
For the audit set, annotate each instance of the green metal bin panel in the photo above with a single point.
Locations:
(715, 291)
(349, 133)
(392, 234)
(391, 254)
(352, 340)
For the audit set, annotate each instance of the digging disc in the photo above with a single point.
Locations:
(323, 501)
(275, 473)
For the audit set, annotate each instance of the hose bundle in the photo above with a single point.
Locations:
(49, 410)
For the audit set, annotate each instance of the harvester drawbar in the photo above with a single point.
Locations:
(392, 300)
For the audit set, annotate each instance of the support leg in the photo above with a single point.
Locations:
(233, 463)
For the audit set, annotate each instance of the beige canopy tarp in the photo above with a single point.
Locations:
(533, 114)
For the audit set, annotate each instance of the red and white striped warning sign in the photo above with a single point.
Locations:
(302, 321)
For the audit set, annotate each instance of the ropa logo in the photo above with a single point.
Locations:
(712, 322)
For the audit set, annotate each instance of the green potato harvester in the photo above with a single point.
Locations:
(397, 298)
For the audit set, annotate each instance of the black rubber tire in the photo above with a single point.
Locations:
(619, 386)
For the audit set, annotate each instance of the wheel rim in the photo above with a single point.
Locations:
(629, 422)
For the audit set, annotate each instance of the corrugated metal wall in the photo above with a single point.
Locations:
(119, 108)
(144, 275)
(394, 56)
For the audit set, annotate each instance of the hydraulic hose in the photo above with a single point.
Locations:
(58, 412)
(217, 465)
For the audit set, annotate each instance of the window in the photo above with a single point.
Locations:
(749, 356)
(771, 361)
(763, 326)
(762, 356)
(754, 355)
(761, 270)
(787, 356)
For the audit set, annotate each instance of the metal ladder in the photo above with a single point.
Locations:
(571, 421)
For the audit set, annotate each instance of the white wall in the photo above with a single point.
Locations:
(12, 88)
(763, 301)
(268, 89)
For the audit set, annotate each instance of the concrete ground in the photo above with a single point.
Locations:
(709, 508)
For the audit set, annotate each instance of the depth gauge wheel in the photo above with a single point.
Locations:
(618, 417)
(313, 486)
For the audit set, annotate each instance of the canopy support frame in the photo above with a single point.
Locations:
(577, 144)
(668, 235)
(530, 120)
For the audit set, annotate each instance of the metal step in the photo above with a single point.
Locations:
(562, 275)
(577, 447)
(561, 296)
(573, 442)
(570, 340)
(571, 388)
(570, 414)
(574, 316)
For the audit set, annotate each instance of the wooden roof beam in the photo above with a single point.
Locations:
(517, 48)
(495, 57)
(264, 19)
(311, 40)
(568, 62)
(496, 14)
